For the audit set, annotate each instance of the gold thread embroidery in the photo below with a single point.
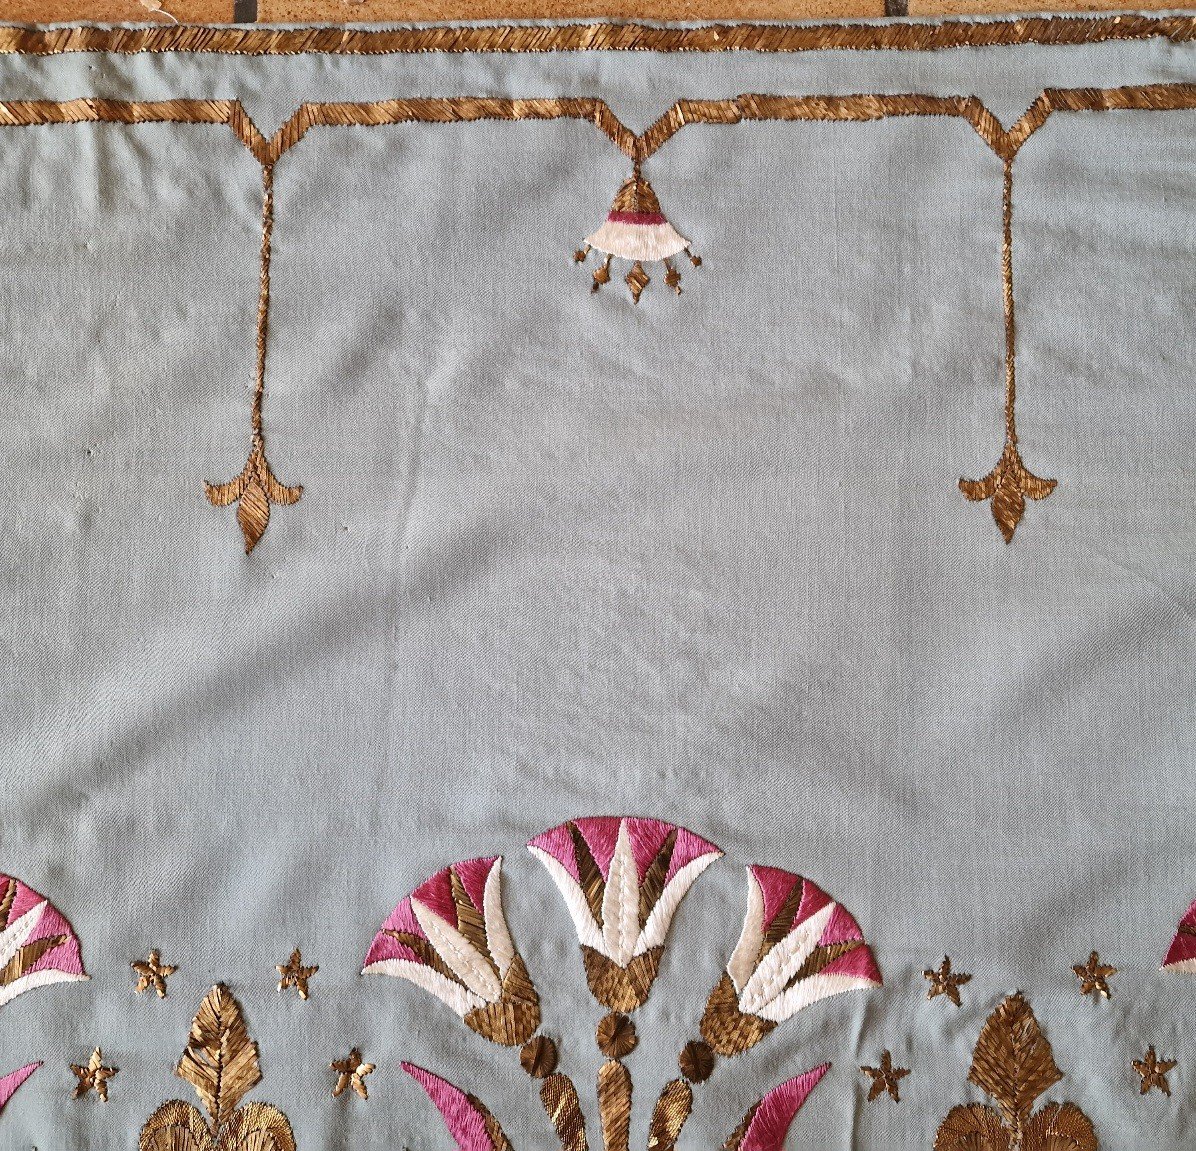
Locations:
(614, 1105)
(1094, 976)
(563, 1107)
(1153, 1071)
(256, 488)
(1007, 485)
(946, 982)
(351, 1072)
(669, 1115)
(601, 37)
(93, 1077)
(886, 1078)
(221, 1063)
(294, 974)
(696, 1061)
(539, 1057)
(1013, 1064)
(616, 1036)
(152, 972)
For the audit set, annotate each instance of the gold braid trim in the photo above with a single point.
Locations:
(599, 37)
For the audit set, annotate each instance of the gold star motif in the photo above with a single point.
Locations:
(1094, 976)
(94, 1076)
(944, 982)
(884, 1078)
(1154, 1072)
(295, 975)
(152, 972)
(351, 1072)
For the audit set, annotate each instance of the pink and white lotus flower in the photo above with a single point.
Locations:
(798, 946)
(450, 937)
(622, 880)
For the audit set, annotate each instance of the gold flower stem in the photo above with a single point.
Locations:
(614, 1105)
(263, 307)
(1007, 289)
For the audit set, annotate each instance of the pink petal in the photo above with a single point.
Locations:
(9, 1083)
(464, 1121)
(66, 956)
(558, 843)
(773, 1116)
(1183, 946)
(601, 833)
(813, 900)
(688, 848)
(473, 874)
(436, 894)
(646, 836)
(860, 963)
(403, 919)
(841, 927)
(775, 885)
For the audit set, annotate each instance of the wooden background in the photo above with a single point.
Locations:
(391, 11)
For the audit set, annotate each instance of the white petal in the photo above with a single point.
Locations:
(1187, 966)
(502, 950)
(638, 241)
(468, 964)
(456, 996)
(588, 931)
(35, 979)
(782, 962)
(17, 934)
(657, 927)
(621, 901)
(743, 959)
(811, 991)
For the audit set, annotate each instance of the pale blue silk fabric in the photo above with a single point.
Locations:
(558, 556)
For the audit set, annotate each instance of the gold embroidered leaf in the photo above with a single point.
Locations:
(10, 894)
(253, 514)
(494, 1132)
(221, 1060)
(972, 1128)
(1013, 1061)
(1059, 1127)
(728, 1030)
(652, 885)
(470, 922)
(589, 877)
(669, 1116)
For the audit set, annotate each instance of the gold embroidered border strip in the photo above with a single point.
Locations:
(598, 37)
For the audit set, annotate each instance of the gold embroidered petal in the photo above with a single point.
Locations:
(563, 1108)
(1059, 1127)
(621, 988)
(725, 1028)
(1013, 1061)
(972, 1128)
(27, 957)
(470, 922)
(257, 1127)
(652, 885)
(176, 1126)
(254, 490)
(669, 1116)
(515, 1018)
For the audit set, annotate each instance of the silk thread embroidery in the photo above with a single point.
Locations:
(221, 1063)
(10, 1083)
(1014, 1065)
(622, 879)
(1181, 955)
(1153, 1072)
(351, 1073)
(946, 982)
(152, 972)
(37, 945)
(294, 974)
(1094, 976)
(886, 1079)
(1007, 485)
(93, 1076)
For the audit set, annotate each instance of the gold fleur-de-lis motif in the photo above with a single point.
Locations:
(221, 1063)
(1013, 1064)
